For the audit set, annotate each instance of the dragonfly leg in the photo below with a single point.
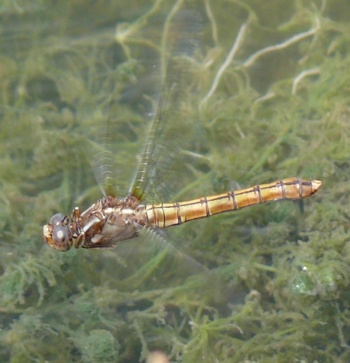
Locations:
(80, 240)
(76, 228)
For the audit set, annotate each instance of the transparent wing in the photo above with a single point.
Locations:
(145, 83)
(168, 137)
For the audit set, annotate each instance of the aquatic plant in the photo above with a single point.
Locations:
(268, 98)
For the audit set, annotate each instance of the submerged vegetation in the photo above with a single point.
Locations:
(266, 97)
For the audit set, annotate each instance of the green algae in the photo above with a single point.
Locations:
(278, 286)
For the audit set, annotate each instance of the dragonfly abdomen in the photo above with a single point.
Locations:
(170, 214)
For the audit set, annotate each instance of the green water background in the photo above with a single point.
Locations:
(276, 112)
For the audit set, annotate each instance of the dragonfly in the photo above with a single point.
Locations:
(112, 219)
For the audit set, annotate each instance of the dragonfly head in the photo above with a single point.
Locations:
(57, 233)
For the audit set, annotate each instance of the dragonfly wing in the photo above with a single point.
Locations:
(163, 151)
(150, 260)
(102, 165)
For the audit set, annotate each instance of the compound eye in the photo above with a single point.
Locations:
(60, 238)
(57, 219)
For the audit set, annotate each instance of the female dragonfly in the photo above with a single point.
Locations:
(111, 220)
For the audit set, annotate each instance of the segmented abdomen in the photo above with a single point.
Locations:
(170, 214)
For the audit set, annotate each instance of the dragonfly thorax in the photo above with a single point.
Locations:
(102, 225)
